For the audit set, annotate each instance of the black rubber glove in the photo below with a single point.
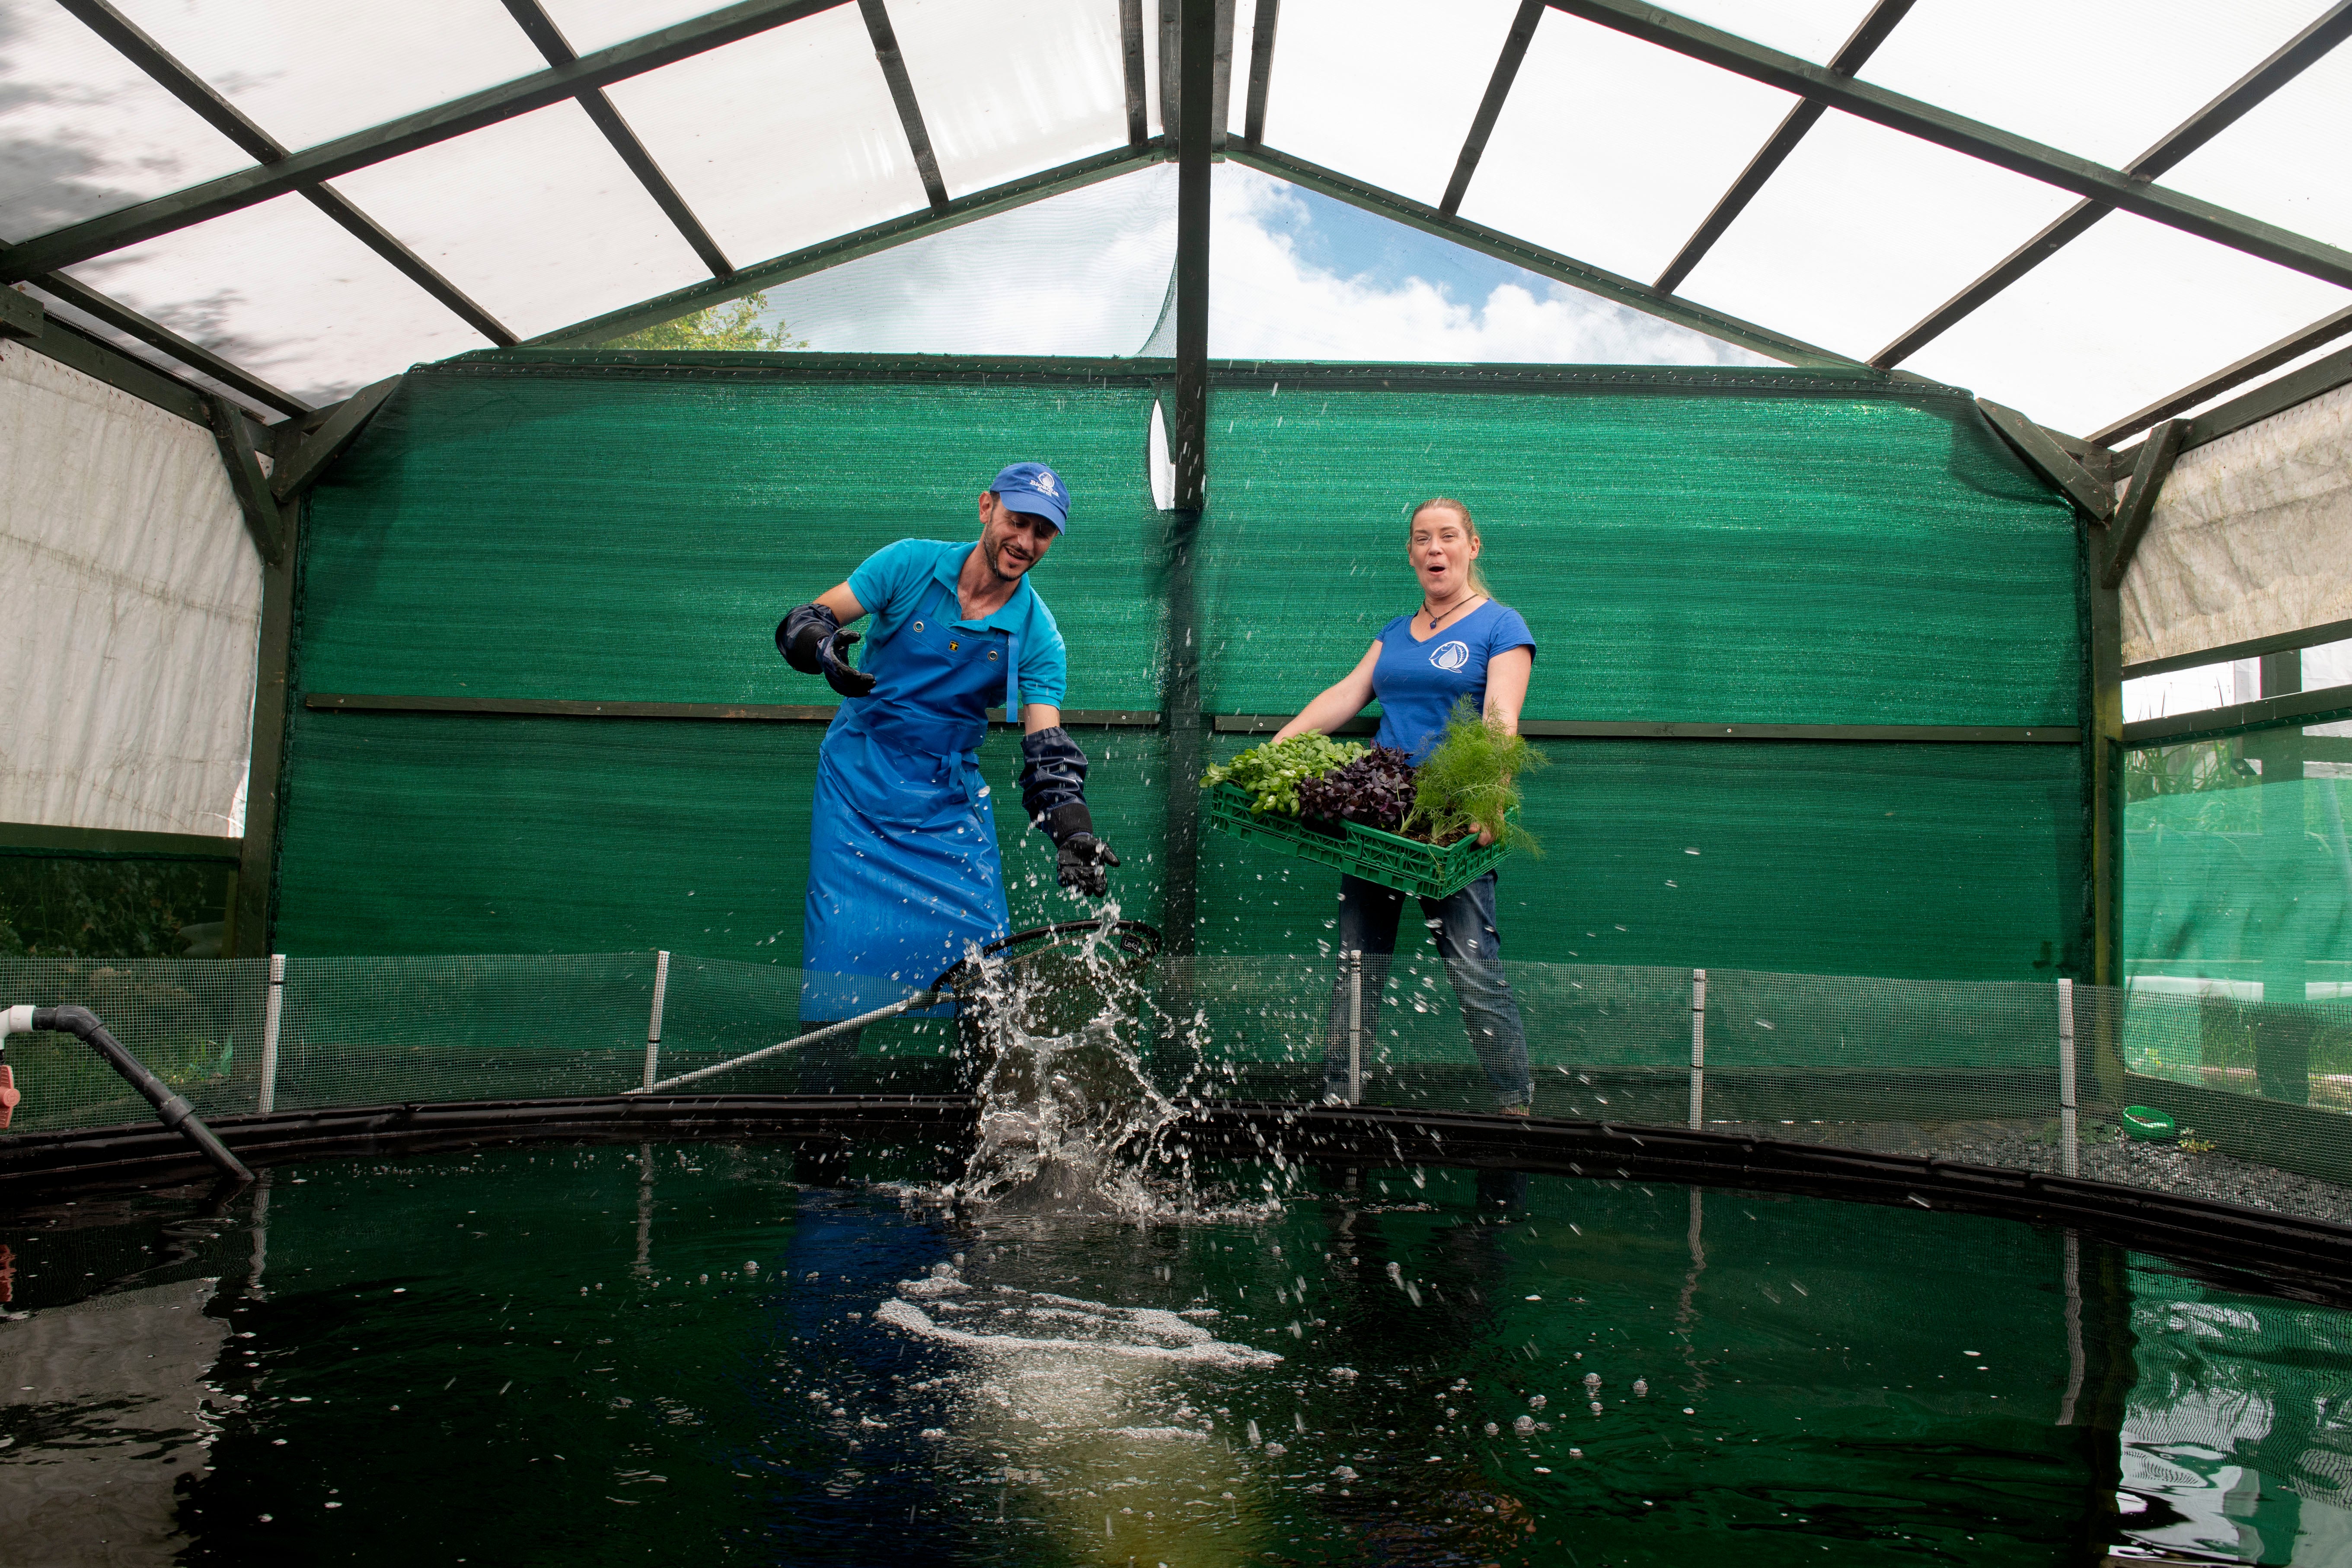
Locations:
(1084, 860)
(811, 642)
(1053, 791)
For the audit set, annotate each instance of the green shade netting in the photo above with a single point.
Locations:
(532, 525)
(517, 533)
(1765, 560)
(1927, 861)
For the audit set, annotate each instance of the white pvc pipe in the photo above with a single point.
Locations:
(927, 999)
(1698, 1048)
(16, 1021)
(2069, 1148)
(653, 1026)
(273, 1010)
(1355, 1026)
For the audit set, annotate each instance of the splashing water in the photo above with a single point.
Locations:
(1070, 1120)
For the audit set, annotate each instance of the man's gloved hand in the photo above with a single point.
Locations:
(1053, 791)
(811, 642)
(1084, 860)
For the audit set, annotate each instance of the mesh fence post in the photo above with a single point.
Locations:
(273, 1010)
(2069, 1159)
(1698, 1048)
(1355, 1026)
(653, 1025)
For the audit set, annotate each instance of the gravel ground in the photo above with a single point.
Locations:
(2165, 1168)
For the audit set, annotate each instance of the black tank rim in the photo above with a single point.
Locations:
(2241, 1248)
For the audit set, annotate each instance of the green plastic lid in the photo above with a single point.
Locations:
(2147, 1121)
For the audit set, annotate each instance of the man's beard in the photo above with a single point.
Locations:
(994, 555)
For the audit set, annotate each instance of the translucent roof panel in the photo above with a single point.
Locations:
(1810, 29)
(1294, 276)
(1862, 232)
(590, 25)
(2022, 64)
(720, 125)
(1084, 273)
(2290, 161)
(1010, 88)
(1383, 89)
(280, 291)
(536, 217)
(1567, 168)
(84, 131)
(306, 73)
(2126, 314)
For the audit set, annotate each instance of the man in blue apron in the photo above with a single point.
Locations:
(903, 878)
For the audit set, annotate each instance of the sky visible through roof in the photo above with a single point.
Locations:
(1608, 149)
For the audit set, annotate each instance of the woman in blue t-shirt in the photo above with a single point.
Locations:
(1459, 643)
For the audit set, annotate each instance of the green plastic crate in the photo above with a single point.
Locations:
(1426, 871)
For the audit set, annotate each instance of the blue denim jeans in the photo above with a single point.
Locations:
(1463, 925)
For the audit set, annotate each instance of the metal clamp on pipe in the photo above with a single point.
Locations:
(173, 1111)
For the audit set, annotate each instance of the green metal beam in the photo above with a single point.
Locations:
(1550, 263)
(427, 127)
(21, 315)
(1131, 42)
(133, 44)
(2262, 361)
(549, 39)
(752, 712)
(2325, 705)
(1490, 108)
(850, 247)
(1649, 729)
(68, 345)
(43, 842)
(1850, 59)
(902, 95)
(1269, 15)
(67, 289)
(2131, 517)
(296, 471)
(2003, 148)
(2285, 64)
(2037, 447)
(2253, 648)
(262, 518)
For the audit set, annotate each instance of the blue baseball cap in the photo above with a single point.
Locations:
(1034, 487)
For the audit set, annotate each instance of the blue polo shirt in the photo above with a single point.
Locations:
(1419, 680)
(895, 581)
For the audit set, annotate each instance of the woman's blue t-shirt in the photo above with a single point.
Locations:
(1418, 683)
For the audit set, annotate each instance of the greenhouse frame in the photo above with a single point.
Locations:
(413, 428)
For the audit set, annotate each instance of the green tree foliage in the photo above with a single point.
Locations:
(732, 327)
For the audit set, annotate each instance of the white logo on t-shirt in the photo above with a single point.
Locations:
(1450, 656)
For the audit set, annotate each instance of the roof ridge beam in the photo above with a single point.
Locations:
(425, 128)
(1549, 264)
(2003, 149)
(133, 43)
(902, 94)
(850, 247)
(1490, 108)
(542, 30)
(2285, 63)
(1850, 59)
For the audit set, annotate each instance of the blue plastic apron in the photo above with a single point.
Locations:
(903, 870)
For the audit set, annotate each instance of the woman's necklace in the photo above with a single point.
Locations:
(1435, 620)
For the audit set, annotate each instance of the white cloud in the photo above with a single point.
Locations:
(1266, 301)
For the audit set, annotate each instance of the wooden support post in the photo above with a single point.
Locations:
(2042, 450)
(256, 878)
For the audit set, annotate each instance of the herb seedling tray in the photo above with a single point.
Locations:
(1409, 865)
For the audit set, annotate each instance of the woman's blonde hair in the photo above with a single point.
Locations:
(1477, 576)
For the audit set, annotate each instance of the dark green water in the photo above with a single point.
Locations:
(672, 1355)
